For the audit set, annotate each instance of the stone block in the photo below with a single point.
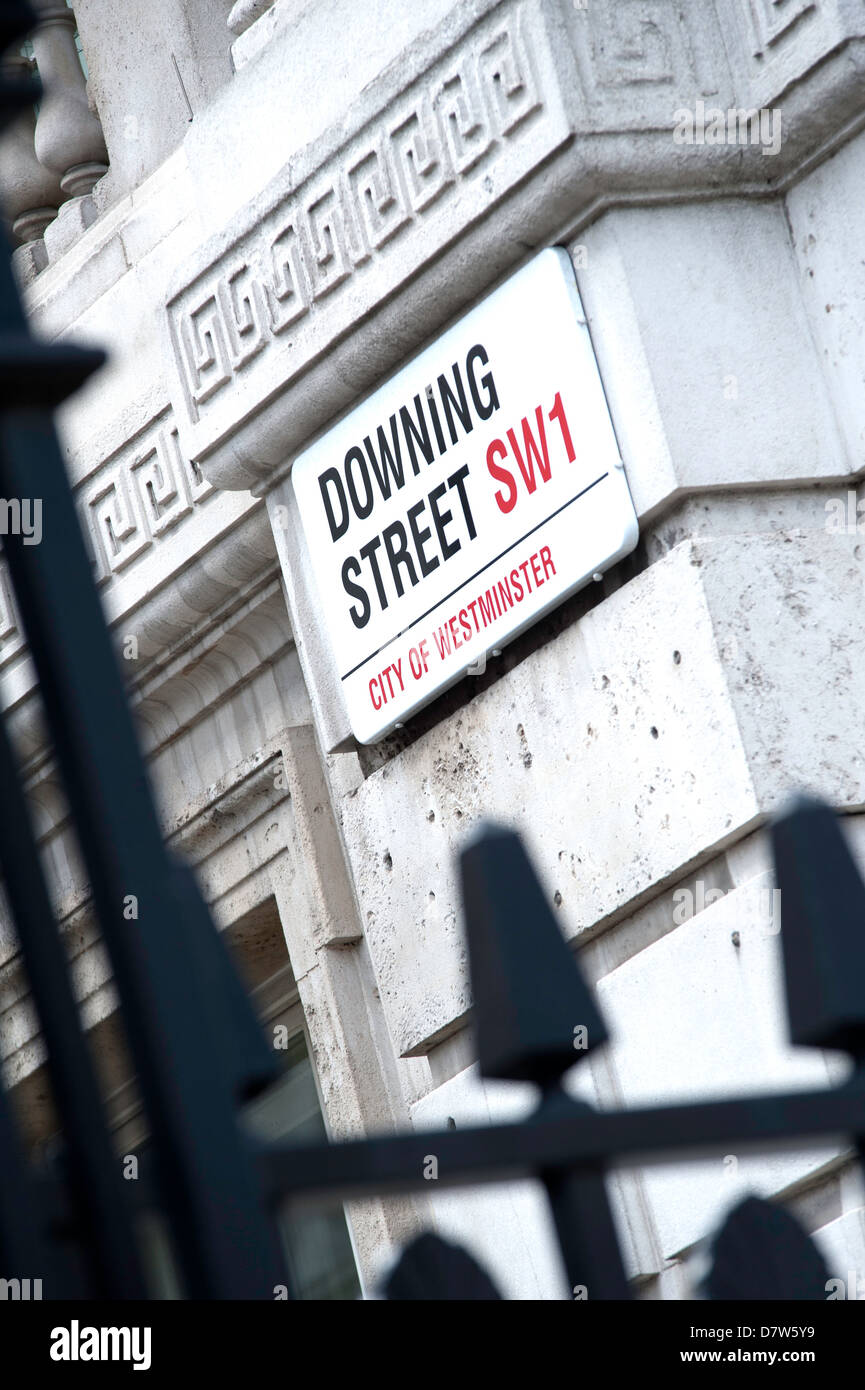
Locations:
(506, 1226)
(827, 217)
(696, 1016)
(692, 697)
(71, 222)
(28, 260)
(706, 350)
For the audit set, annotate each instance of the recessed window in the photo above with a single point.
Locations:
(316, 1242)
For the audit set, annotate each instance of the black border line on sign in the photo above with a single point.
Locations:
(473, 577)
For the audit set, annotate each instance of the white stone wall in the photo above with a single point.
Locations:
(355, 175)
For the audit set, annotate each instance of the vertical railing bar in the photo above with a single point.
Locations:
(586, 1234)
(25, 1245)
(225, 1244)
(103, 1215)
(583, 1218)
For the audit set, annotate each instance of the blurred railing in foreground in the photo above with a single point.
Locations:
(194, 1040)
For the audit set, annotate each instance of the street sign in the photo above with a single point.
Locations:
(470, 494)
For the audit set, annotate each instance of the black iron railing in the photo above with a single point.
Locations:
(194, 1040)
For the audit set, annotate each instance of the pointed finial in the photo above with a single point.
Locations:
(822, 928)
(534, 1014)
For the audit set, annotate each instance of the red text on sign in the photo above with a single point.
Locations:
(389, 682)
(487, 608)
(529, 449)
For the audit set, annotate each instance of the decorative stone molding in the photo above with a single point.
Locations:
(469, 126)
(637, 62)
(177, 612)
(171, 696)
(778, 41)
(256, 23)
(148, 487)
(531, 110)
(125, 506)
(245, 804)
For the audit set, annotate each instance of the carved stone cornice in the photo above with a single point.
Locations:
(511, 125)
(246, 803)
(168, 704)
(174, 560)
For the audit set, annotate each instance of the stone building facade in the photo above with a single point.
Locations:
(263, 210)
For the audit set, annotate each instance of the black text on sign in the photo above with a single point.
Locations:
(464, 499)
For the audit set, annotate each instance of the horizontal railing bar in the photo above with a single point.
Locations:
(566, 1135)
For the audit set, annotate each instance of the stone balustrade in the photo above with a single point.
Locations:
(31, 192)
(51, 157)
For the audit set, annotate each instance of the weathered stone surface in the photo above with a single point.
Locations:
(827, 217)
(154, 66)
(746, 406)
(506, 1226)
(662, 752)
(698, 1015)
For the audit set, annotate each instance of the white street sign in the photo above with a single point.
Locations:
(469, 495)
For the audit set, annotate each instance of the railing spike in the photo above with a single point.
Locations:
(432, 1268)
(822, 928)
(761, 1252)
(534, 1015)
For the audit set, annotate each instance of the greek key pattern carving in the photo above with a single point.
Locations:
(438, 132)
(773, 19)
(138, 495)
(631, 45)
(640, 59)
(135, 497)
(144, 490)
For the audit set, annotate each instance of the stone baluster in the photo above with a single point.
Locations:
(69, 138)
(31, 193)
